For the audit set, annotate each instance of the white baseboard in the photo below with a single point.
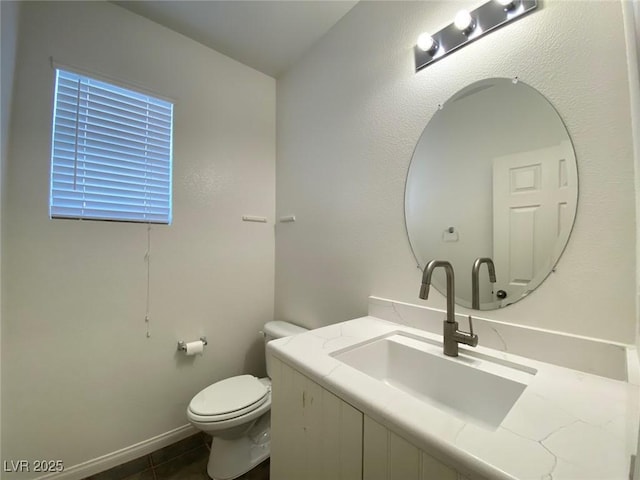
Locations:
(110, 460)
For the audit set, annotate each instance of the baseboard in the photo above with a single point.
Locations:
(105, 462)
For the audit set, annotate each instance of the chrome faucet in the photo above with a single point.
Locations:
(452, 336)
(475, 282)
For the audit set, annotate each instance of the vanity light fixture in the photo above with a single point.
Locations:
(467, 27)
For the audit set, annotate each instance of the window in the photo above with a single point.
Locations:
(111, 152)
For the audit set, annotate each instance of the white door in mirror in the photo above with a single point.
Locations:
(532, 201)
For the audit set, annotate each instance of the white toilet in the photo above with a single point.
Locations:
(235, 411)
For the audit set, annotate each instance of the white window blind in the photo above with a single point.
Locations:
(111, 152)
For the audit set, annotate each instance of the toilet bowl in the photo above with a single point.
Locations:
(235, 412)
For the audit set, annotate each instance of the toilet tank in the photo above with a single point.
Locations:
(279, 329)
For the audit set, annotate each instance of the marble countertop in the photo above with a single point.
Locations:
(566, 425)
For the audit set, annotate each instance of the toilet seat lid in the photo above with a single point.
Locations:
(228, 395)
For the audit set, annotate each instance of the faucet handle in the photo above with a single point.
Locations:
(468, 338)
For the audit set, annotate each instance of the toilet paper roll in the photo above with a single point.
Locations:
(195, 348)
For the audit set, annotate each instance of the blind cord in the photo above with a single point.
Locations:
(147, 258)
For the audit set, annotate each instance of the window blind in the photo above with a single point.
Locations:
(111, 154)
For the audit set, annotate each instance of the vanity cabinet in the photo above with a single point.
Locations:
(387, 456)
(314, 434)
(317, 436)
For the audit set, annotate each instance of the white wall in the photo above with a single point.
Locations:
(80, 378)
(636, 14)
(351, 111)
(632, 29)
(9, 12)
(632, 25)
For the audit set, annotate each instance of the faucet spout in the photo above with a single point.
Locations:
(426, 283)
(475, 279)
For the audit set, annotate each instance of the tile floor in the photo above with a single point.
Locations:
(184, 460)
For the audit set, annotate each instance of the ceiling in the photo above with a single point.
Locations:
(268, 35)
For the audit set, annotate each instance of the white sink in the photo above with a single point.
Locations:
(472, 386)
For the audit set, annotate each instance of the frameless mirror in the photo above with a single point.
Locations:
(493, 175)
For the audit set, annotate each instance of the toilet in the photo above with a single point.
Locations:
(235, 412)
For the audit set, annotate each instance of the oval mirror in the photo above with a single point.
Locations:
(494, 176)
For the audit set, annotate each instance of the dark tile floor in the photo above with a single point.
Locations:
(184, 460)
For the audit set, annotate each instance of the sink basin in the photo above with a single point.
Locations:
(472, 386)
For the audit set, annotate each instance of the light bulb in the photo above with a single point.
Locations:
(426, 43)
(464, 21)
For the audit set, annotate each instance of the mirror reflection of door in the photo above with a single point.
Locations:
(531, 212)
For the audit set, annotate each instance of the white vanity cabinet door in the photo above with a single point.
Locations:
(315, 435)
(387, 456)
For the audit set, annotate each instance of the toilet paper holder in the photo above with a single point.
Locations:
(182, 346)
